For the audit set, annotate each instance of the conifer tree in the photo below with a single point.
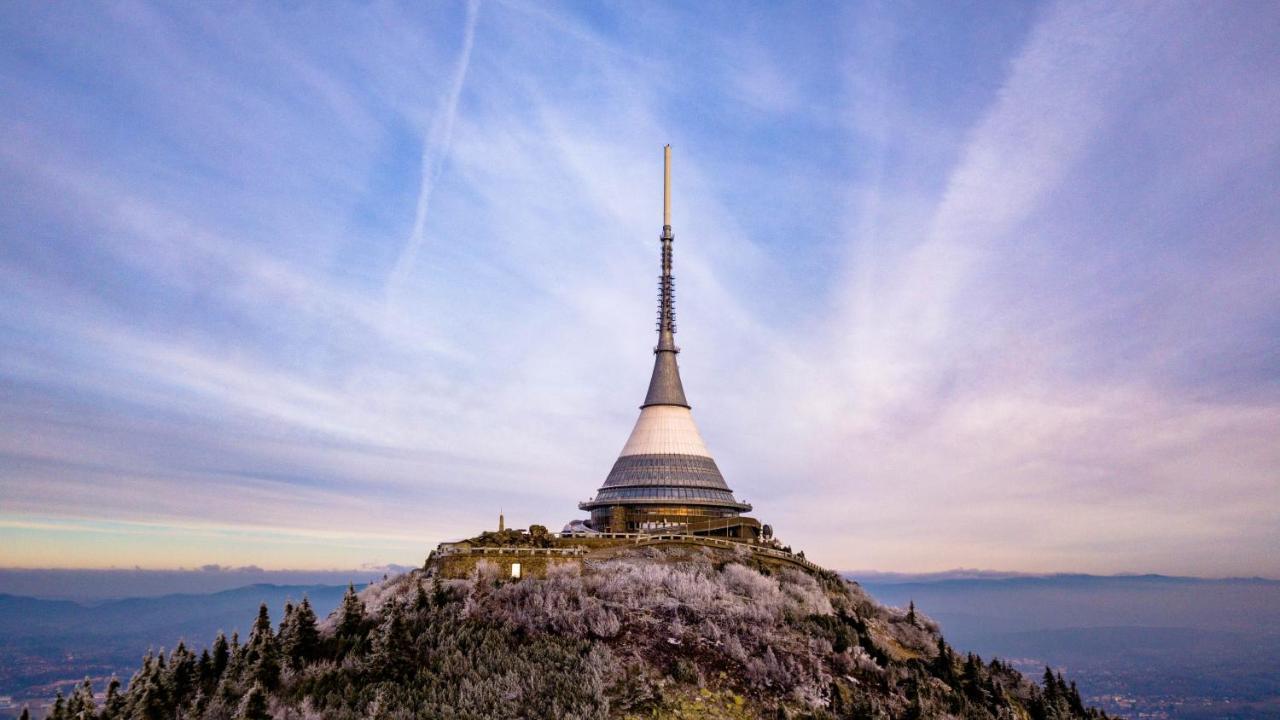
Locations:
(262, 655)
(1074, 701)
(420, 600)
(944, 663)
(284, 637)
(72, 708)
(350, 634)
(974, 681)
(1037, 708)
(114, 704)
(303, 641)
(1050, 685)
(149, 698)
(351, 619)
(254, 705)
(26, 714)
(235, 665)
(391, 647)
(81, 705)
(1057, 697)
(59, 711)
(135, 686)
(438, 594)
(261, 625)
(911, 612)
(204, 669)
(221, 656)
(183, 674)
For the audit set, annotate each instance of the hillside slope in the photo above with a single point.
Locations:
(675, 632)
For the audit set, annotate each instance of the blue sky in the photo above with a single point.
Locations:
(959, 286)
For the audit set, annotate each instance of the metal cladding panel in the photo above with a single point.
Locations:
(665, 387)
(675, 471)
(668, 480)
(665, 430)
(633, 494)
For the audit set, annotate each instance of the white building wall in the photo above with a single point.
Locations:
(665, 430)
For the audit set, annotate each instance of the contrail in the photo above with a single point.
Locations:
(435, 148)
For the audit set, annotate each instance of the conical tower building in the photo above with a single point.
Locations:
(665, 478)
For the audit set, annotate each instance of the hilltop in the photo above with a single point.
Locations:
(666, 632)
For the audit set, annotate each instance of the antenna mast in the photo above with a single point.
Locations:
(666, 283)
(666, 187)
(665, 387)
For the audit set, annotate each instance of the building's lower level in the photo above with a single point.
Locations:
(689, 519)
(460, 560)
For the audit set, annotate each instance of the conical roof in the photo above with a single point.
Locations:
(665, 387)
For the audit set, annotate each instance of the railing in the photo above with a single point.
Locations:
(655, 538)
(635, 538)
(603, 535)
(576, 550)
(719, 542)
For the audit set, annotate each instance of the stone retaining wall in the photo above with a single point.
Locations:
(459, 560)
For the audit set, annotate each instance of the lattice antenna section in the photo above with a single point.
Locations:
(666, 292)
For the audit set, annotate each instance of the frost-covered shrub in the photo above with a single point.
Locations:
(912, 635)
(808, 597)
(377, 594)
(862, 662)
(734, 650)
(564, 570)
(749, 583)
(768, 670)
(602, 623)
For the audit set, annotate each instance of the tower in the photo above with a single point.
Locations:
(665, 478)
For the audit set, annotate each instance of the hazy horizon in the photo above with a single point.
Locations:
(323, 285)
(97, 584)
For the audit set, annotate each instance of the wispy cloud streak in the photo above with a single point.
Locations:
(435, 152)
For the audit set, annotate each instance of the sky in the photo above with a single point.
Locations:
(320, 285)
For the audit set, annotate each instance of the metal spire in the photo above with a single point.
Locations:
(665, 387)
(666, 187)
(666, 283)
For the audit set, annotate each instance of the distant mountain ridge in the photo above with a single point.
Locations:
(880, 577)
(25, 617)
(1081, 600)
(84, 585)
(49, 643)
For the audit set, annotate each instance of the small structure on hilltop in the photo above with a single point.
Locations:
(665, 479)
